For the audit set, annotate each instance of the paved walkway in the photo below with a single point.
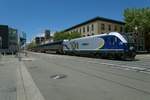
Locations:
(15, 81)
(8, 80)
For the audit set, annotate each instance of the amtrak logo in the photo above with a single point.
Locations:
(101, 43)
(74, 45)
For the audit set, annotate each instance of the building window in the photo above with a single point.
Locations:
(115, 29)
(88, 29)
(83, 29)
(135, 40)
(121, 29)
(76, 30)
(109, 27)
(103, 26)
(80, 30)
(142, 42)
(92, 27)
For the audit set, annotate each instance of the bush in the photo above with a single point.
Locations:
(66, 35)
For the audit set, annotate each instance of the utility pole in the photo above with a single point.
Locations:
(19, 56)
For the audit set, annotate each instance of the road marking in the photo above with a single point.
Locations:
(28, 59)
(125, 67)
(7, 62)
(26, 88)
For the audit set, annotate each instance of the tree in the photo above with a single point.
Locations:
(66, 35)
(31, 45)
(137, 18)
(74, 35)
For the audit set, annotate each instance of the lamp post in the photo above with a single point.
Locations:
(136, 32)
(19, 56)
(136, 28)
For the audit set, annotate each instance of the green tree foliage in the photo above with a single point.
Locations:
(31, 45)
(65, 35)
(139, 18)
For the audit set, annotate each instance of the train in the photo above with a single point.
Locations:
(107, 45)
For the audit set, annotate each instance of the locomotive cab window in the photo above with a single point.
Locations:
(111, 41)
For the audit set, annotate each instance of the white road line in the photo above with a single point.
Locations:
(125, 67)
(7, 62)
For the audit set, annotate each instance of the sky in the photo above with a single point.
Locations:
(34, 16)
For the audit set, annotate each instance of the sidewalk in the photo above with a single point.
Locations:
(8, 80)
(16, 82)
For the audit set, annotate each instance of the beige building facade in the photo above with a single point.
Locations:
(97, 25)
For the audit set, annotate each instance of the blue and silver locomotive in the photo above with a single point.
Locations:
(112, 45)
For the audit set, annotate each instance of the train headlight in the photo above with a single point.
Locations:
(131, 48)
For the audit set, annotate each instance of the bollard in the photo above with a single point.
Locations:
(12, 54)
(26, 54)
(4, 53)
(19, 56)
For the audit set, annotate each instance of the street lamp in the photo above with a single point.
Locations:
(136, 28)
(19, 56)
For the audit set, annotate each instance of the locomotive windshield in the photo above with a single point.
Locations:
(128, 38)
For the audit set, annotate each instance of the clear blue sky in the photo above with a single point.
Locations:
(33, 16)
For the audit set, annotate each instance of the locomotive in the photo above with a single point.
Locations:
(108, 45)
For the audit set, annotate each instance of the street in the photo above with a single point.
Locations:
(41, 76)
(61, 77)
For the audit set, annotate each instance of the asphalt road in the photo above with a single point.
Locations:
(90, 78)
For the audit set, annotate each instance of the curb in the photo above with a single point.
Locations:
(26, 88)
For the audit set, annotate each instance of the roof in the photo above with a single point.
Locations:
(95, 19)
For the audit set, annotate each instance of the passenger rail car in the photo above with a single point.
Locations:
(54, 46)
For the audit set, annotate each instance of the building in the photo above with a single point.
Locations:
(147, 41)
(98, 25)
(0, 42)
(44, 37)
(4, 32)
(39, 40)
(47, 34)
(9, 39)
